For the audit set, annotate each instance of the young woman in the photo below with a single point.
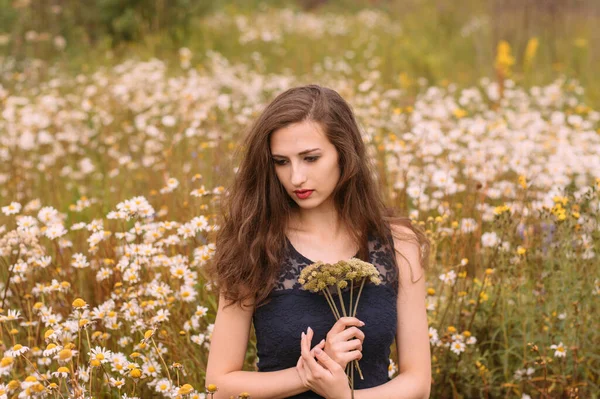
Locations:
(304, 192)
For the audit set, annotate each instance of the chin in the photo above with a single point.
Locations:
(304, 204)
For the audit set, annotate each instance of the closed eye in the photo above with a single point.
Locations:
(285, 161)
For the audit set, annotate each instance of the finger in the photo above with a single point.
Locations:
(309, 361)
(320, 345)
(350, 333)
(353, 344)
(343, 323)
(327, 362)
(353, 355)
(306, 371)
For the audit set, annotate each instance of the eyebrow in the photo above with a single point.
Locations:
(300, 153)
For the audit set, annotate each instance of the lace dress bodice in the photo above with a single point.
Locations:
(279, 323)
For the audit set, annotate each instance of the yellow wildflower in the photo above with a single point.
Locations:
(135, 373)
(6, 361)
(499, 210)
(185, 389)
(580, 42)
(459, 113)
(211, 388)
(79, 303)
(530, 51)
(504, 59)
(65, 354)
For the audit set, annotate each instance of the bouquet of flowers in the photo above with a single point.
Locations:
(328, 278)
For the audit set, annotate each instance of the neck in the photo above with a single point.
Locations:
(320, 221)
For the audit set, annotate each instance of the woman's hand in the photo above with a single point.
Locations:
(325, 377)
(338, 344)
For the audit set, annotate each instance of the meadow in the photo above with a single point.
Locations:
(114, 161)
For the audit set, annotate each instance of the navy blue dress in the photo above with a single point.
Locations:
(279, 323)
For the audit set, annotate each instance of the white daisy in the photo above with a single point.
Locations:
(489, 239)
(448, 278)
(101, 354)
(201, 311)
(163, 386)
(457, 347)
(392, 369)
(559, 350)
(16, 350)
(117, 382)
(468, 225)
(51, 349)
(11, 209)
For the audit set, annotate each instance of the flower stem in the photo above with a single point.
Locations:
(10, 272)
(362, 284)
(341, 301)
(358, 369)
(88, 340)
(163, 360)
(331, 303)
(352, 379)
(351, 291)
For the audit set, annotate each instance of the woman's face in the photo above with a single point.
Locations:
(304, 159)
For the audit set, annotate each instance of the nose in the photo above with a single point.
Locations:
(298, 175)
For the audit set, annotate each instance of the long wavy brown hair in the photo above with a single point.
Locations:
(251, 240)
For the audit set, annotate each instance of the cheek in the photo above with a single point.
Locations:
(334, 169)
(280, 177)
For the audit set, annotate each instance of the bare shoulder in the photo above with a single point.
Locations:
(408, 252)
(402, 231)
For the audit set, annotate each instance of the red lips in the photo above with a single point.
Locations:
(303, 194)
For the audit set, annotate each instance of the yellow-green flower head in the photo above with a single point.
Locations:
(318, 276)
(211, 388)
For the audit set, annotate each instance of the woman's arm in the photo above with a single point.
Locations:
(412, 335)
(226, 360)
(260, 385)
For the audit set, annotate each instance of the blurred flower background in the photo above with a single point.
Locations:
(118, 125)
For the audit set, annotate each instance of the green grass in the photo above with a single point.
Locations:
(437, 40)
